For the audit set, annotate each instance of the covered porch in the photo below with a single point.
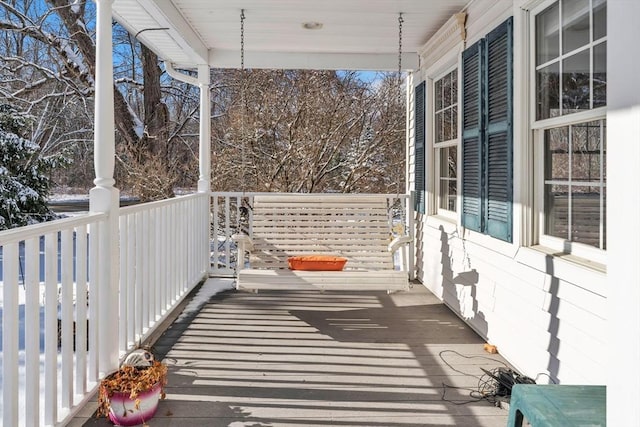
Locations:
(307, 358)
(369, 357)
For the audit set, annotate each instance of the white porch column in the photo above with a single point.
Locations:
(104, 197)
(623, 212)
(204, 181)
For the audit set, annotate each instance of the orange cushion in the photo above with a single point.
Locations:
(317, 263)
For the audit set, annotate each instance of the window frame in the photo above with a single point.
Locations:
(438, 147)
(538, 127)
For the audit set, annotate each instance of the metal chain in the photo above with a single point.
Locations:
(400, 22)
(403, 207)
(243, 106)
(242, 40)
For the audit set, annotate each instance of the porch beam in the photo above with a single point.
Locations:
(314, 61)
(623, 211)
(104, 197)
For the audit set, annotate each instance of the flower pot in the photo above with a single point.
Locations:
(125, 411)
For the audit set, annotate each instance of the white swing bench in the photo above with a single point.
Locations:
(356, 227)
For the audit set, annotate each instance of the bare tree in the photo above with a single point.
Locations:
(308, 131)
(48, 53)
(299, 131)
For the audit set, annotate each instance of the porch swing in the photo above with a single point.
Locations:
(287, 228)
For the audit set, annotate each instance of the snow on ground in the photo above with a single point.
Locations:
(210, 288)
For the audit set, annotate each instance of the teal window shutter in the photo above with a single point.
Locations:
(487, 135)
(472, 137)
(498, 132)
(419, 201)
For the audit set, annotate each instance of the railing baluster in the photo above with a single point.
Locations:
(32, 330)
(189, 242)
(66, 314)
(94, 285)
(81, 309)
(10, 333)
(152, 267)
(205, 233)
(139, 279)
(172, 254)
(163, 259)
(184, 225)
(131, 280)
(227, 232)
(214, 232)
(51, 328)
(143, 301)
(123, 319)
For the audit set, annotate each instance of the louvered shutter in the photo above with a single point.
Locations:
(472, 137)
(498, 136)
(419, 202)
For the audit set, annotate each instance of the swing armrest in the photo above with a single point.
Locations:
(398, 242)
(401, 246)
(244, 242)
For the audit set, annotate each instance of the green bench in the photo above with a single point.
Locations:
(558, 405)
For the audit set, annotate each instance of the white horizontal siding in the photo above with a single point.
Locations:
(545, 314)
(541, 323)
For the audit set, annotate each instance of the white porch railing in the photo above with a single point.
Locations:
(50, 322)
(232, 213)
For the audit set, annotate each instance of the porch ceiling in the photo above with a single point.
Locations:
(355, 34)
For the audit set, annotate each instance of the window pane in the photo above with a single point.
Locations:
(453, 162)
(575, 24)
(447, 124)
(454, 122)
(575, 82)
(547, 39)
(600, 75)
(556, 209)
(585, 160)
(448, 182)
(448, 162)
(454, 87)
(451, 200)
(548, 90)
(585, 215)
(437, 93)
(556, 162)
(446, 91)
(599, 19)
(446, 99)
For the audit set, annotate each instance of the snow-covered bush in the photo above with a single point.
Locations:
(24, 175)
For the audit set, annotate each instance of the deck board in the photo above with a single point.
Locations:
(305, 358)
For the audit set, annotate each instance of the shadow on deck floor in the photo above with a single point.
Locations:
(322, 359)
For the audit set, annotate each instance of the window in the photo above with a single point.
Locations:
(419, 201)
(487, 111)
(445, 120)
(570, 86)
(574, 189)
(570, 58)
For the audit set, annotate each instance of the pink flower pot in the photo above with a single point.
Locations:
(123, 411)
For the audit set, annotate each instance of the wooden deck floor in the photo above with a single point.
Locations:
(322, 359)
